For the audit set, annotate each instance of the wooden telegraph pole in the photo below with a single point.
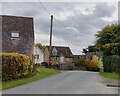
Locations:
(50, 48)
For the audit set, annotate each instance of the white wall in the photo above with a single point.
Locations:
(39, 55)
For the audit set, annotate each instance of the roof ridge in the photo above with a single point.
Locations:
(58, 46)
(17, 16)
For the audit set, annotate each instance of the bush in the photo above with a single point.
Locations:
(90, 64)
(44, 64)
(98, 64)
(80, 63)
(95, 64)
(111, 63)
(14, 66)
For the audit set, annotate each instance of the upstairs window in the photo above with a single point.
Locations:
(15, 34)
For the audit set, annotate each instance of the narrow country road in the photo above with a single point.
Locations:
(67, 82)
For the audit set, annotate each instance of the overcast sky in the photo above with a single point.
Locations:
(75, 25)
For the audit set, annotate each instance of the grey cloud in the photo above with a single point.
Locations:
(86, 25)
(103, 9)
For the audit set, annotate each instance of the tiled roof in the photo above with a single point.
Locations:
(65, 51)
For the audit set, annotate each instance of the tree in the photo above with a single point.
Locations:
(85, 51)
(40, 46)
(108, 40)
(92, 48)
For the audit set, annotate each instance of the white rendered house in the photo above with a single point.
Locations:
(39, 55)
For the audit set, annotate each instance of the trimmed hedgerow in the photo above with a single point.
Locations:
(111, 63)
(14, 66)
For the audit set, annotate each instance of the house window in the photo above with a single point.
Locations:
(14, 34)
(37, 56)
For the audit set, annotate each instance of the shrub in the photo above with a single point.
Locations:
(98, 62)
(14, 66)
(44, 64)
(95, 64)
(90, 64)
(111, 63)
(80, 63)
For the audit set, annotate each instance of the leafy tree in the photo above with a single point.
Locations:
(92, 48)
(40, 46)
(85, 51)
(108, 40)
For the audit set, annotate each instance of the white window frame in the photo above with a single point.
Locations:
(15, 34)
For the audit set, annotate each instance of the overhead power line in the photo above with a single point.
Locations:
(55, 17)
(44, 7)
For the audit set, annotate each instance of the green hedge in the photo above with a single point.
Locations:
(14, 66)
(111, 63)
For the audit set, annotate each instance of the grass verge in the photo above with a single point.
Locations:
(42, 73)
(113, 76)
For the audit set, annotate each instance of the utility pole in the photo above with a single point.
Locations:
(50, 48)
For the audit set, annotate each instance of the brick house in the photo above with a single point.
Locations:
(18, 35)
(64, 55)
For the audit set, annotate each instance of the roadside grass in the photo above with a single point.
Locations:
(0, 85)
(113, 75)
(42, 73)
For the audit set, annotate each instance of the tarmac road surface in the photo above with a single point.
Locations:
(67, 82)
